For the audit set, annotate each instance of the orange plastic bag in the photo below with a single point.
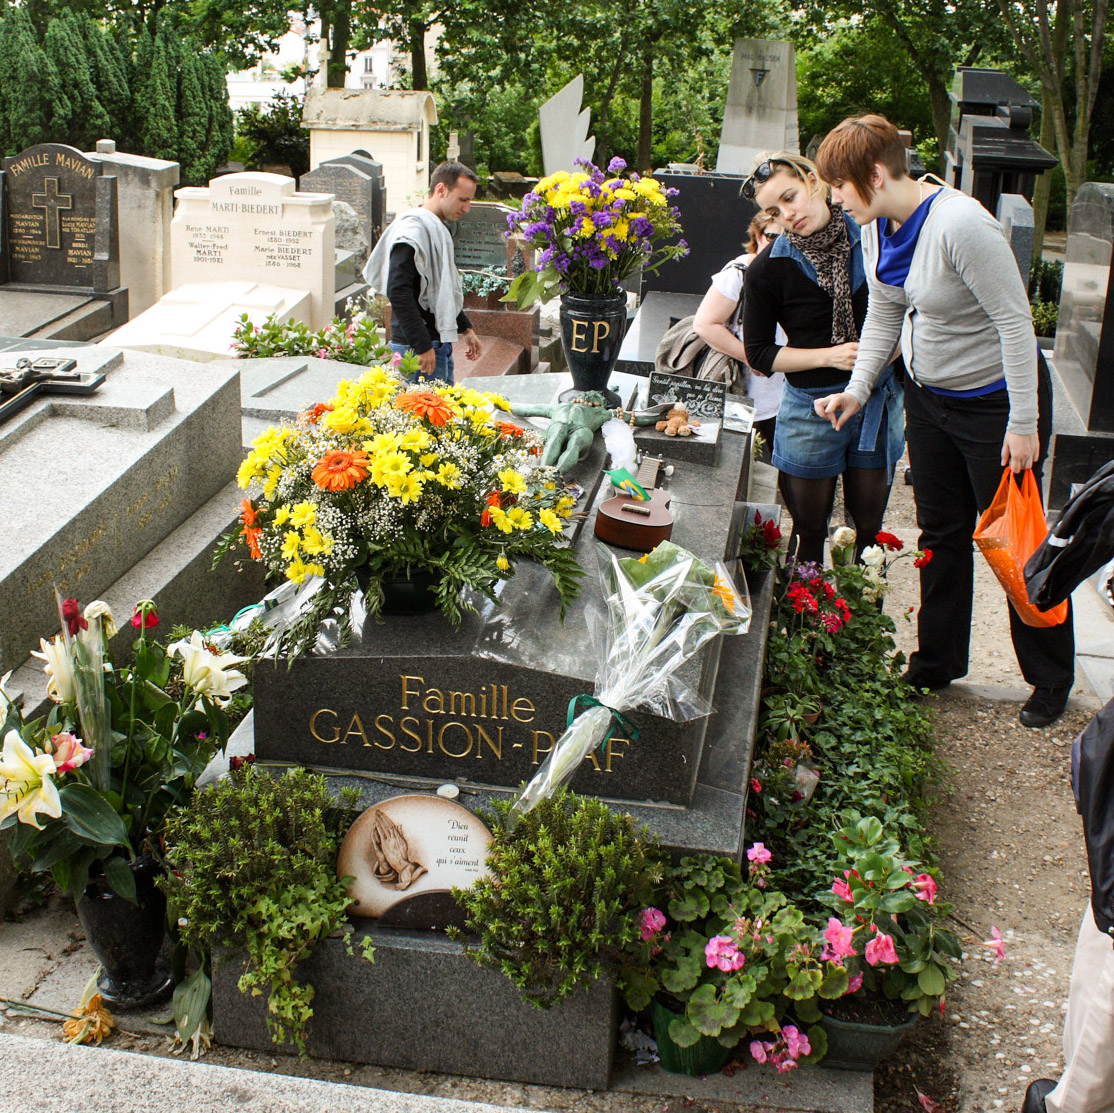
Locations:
(1008, 534)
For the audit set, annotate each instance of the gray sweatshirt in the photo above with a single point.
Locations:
(963, 316)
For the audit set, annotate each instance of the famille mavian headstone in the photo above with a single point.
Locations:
(761, 110)
(60, 237)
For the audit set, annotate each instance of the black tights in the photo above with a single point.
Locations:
(865, 494)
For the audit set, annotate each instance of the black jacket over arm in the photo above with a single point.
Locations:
(1094, 795)
(410, 323)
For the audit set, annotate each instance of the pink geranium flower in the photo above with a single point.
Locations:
(854, 984)
(881, 949)
(926, 887)
(996, 943)
(721, 952)
(758, 1050)
(796, 1042)
(650, 922)
(842, 889)
(759, 853)
(839, 938)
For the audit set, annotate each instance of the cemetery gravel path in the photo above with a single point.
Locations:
(1011, 854)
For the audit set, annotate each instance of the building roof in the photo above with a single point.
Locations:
(368, 109)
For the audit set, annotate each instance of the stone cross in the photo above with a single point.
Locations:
(51, 201)
(47, 375)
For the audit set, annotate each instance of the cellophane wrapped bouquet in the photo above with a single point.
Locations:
(662, 609)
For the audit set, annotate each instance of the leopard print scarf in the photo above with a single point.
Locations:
(829, 250)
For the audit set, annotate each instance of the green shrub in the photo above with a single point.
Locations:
(1046, 315)
(563, 900)
(254, 867)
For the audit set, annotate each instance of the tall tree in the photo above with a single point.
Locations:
(1064, 47)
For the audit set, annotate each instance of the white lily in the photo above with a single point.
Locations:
(58, 665)
(25, 785)
(208, 673)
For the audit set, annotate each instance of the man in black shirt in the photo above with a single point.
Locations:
(413, 265)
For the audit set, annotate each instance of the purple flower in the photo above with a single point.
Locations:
(616, 165)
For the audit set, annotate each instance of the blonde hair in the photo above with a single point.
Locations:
(800, 167)
(757, 227)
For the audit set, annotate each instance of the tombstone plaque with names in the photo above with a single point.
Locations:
(61, 220)
(704, 401)
(479, 236)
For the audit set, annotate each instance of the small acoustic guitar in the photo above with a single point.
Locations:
(637, 524)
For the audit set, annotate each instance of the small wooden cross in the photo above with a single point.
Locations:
(20, 385)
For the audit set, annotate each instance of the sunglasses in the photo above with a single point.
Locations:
(761, 175)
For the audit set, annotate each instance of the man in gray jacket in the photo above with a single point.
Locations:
(413, 264)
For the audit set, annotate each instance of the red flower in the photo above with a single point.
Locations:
(771, 534)
(237, 763)
(923, 559)
(145, 615)
(72, 616)
(755, 785)
(889, 541)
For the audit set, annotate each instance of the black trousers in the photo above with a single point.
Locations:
(955, 448)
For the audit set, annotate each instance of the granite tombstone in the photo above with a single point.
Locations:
(480, 236)
(761, 110)
(60, 261)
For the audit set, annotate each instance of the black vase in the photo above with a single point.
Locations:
(126, 939)
(592, 327)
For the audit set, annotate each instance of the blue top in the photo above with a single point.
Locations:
(895, 250)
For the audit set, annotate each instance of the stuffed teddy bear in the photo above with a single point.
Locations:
(677, 424)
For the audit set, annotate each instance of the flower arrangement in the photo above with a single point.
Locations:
(888, 925)
(91, 787)
(662, 608)
(388, 477)
(759, 542)
(592, 229)
(355, 340)
(875, 559)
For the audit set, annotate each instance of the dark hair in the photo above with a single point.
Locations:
(852, 149)
(449, 173)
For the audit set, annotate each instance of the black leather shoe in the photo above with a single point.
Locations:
(1038, 1090)
(1044, 706)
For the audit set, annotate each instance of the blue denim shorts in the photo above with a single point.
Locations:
(807, 446)
(442, 368)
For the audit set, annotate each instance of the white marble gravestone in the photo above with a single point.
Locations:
(761, 110)
(564, 128)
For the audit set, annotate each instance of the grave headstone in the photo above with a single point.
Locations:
(363, 161)
(1015, 215)
(352, 185)
(1083, 362)
(155, 442)
(145, 189)
(761, 110)
(61, 257)
(479, 236)
(990, 151)
(564, 128)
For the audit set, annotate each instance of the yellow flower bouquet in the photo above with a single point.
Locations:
(390, 478)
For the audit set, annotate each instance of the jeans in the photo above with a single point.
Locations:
(443, 365)
(955, 448)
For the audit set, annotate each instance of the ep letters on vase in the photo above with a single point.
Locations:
(477, 724)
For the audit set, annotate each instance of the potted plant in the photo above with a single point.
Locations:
(255, 879)
(417, 491)
(590, 230)
(484, 289)
(88, 790)
(726, 958)
(888, 928)
(563, 897)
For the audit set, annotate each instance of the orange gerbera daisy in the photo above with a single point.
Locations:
(247, 514)
(252, 536)
(341, 470)
(509, 430)
(312, 416)
(494, 499)
(424, 403)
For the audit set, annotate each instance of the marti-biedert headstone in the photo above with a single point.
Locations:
(60, 237)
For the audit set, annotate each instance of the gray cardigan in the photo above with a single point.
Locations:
(963, 316)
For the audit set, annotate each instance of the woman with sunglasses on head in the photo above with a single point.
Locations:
(944, 283)
(719, 324)
(811, 282)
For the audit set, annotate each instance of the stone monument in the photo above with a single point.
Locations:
(60, 263)
(246, 243)
(564, 128)
(761, 110)
(1084, 358)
